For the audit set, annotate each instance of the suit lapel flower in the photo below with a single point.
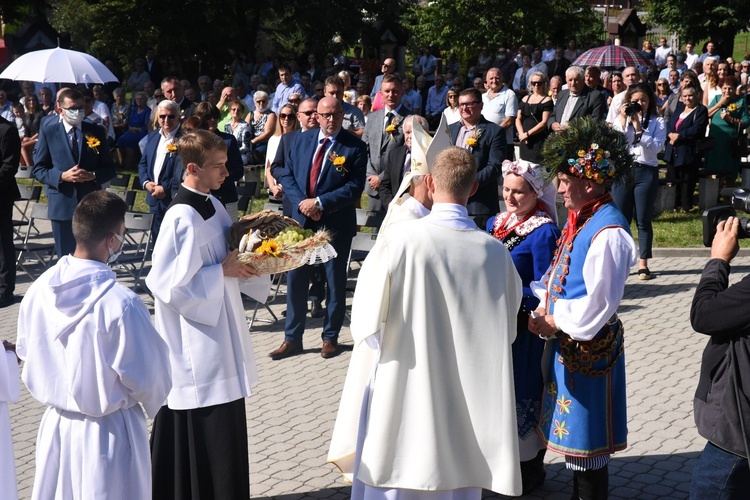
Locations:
(473, 141)
(339, 162)
(392, 128)
(93, 142)
(171, 148)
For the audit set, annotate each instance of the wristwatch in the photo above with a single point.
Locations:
(318, 204)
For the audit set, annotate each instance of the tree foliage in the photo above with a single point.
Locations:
(703, 19)
(465, 26)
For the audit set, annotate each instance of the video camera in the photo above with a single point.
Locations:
(714, 215)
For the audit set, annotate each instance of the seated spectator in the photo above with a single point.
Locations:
(663, 92)
(213, 97)
(138, 127)
(47, 104)
(411, 98)
(6, 107)
(364, 103)
(138, 77)
(190, 94)
(240, 129)
(350, 94)
(262, 123)
(571, 53)
(520, 79)
(120, 112)
(31, 120)
(451, 111)
(18, 112)
(436, 102)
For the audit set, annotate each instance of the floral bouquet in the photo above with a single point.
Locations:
(273, 243)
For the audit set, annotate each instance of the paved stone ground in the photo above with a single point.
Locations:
(292, 410)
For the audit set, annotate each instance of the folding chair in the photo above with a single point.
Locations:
(133, 260)
(273, 206)
(25, 172)
(127, 196)
(38, 212)
(369, 223)
(120, 182)
(29, 194)
(246, 193)
(137, 183)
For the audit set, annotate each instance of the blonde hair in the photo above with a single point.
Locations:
(193, 146)
(454, 172)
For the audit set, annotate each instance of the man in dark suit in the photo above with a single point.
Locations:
(10, 154)
(559, 65)
(576, 101)
(324, 176)
(71, 159)
(383, 132)
(398, 161)
(160, 161)
(172, 90)
(487, 143)
(153, 66)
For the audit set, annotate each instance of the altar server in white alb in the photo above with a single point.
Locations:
(9, 393)
(91, 355)
(199, 439)
(438, 415)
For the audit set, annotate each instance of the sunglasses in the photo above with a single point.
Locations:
(536, 83)
(286, 116)
(307, 113)
(261, 102)
(166, 117)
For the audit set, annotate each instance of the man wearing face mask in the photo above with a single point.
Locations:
(506, 65)
(72, 159)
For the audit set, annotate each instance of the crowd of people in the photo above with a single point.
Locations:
(324, 136)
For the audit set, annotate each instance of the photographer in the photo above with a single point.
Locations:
(721, 312)
(645, 133)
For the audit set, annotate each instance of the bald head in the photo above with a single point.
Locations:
(330, 115)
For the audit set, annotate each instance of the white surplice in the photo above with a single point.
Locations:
(9, 393)
(199, 311)
(91, 355)
(437, 298)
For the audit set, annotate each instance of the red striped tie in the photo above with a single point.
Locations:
(317, 165)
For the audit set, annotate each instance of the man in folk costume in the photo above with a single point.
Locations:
(584, 414)
(199, 438)
(91, 355)
(439, 394)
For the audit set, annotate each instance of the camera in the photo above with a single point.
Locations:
(714, 215)
(633, 108)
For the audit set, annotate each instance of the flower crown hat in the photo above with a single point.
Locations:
(587, 149)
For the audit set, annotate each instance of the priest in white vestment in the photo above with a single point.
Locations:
(9, 393)
(436, 306)
(199, 438)
(92, 355)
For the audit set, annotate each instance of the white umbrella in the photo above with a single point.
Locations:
(58, 66)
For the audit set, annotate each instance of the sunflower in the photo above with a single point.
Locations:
(269, 247)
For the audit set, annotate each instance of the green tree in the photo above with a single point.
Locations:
(697, 20)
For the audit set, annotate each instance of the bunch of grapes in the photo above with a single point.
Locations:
(292, 235)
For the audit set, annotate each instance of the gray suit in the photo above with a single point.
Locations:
(379, 143)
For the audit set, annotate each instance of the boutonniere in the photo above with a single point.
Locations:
(474, 139)
(338, 162)
(171, 148)
(93, 143)
(733, 107)
(393, 127)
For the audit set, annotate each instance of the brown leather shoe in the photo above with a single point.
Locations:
(330, 349)
(287, 349)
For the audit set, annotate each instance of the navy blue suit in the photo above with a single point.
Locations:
(489, 155)
(169, 177)
(337, 190)
(227, 193)
(52, 157)
(277, 166)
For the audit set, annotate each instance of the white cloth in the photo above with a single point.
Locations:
(452, 115)
(614, 108)
(199, 311)
(660, 55)
(582, 318)
(651, 143)
(691, 59)
(442, 409)
(161, 153)
(91, 355)
(102, 110)
(9, 393)
(569, 107)
(502, 105)
(548, 55)
(271, 148)
(405, 208)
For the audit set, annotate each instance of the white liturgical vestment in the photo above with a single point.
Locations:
(91, 355)
(433, 320)
(199, 311)
(9, 393)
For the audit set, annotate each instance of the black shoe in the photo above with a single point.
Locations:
(317, 309)
(7, 300)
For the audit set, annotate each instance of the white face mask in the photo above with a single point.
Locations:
(74, 116)
(113, 256)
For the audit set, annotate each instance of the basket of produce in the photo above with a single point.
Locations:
(273, 243)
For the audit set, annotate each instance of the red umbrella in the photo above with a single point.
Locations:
(611, 56)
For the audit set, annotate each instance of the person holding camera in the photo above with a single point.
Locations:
(720, 311)
(645, 134)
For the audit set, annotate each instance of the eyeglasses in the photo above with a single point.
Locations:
(661, 84)
(536, 83)
(307, 113)
(327, 116)
(286, 116)
(294, 101)
(469, 104)
(166, 117)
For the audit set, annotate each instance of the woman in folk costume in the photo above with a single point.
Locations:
(528, 229)
(584, 408)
